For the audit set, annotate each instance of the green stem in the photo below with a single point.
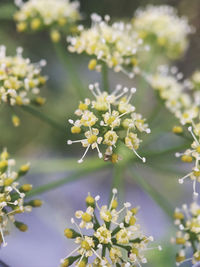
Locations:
(118, 180)
(88, 169)
(105, 82)
(43, 117)
(103, 251)
(64, 58)
(155, 195)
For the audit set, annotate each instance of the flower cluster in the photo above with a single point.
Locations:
(161, 26)
(179, 94)
(57, 15)
(117, 240)
(108, 119)
(183, 101)
(116, 45)
(12, 196)
(20, 80)
(188, 235)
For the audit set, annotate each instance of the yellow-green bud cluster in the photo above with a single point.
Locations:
(160, 26)
(106, 120)
(20, 81)
(12, 195)
(114, 240)
(58, 16)
(117, 45)
(187, 219)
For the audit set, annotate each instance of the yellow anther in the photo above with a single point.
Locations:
(90, 200)
(68, 233)
(40, 100)
(196, 173)
(21, 26)
(114, 204)
(86, 217)
(85, 245)
(62, 21)
(15, 120)
(75, 129)
(55, 36)
(180, 258)
(198, 149)
(82, 106)
(8, 181)
(180, 241)
(114, 158)
(24, 168)
(19, 101)
(35, 24)
(186, 158)
(26, 187)
(36, 203)
(135, 251)
(92, 139)
(178, 215)
(3, 165)
(177, 129)
(134, 210)
(92, 64)
(65, 263)
(132, 220)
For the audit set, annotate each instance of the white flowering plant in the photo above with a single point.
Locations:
(125, 110)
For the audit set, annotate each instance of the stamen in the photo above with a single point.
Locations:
(193, 135)
(194, 188)
(3, 239)
(181, 180)
(142, 158)
(81, 160)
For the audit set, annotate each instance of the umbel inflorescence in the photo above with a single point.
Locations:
(106, 120)
(20, 80)
(58, 16)
(117, 45)
(114, 238)
(12, 196)
(182, 98)
(160, 26)
(187, 237)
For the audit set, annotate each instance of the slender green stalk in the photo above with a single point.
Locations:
(154, 194)
(75, 176)
(118, 180)
(105, 82)
(43, 117)
(64, 58)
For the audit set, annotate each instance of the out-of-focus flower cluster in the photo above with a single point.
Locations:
(182, 98)
(117, 45)
(108, 119)
(20, 80)
(188, 236)
(160, 26)
(180, 95)
(59, 15)
(116, 240)
(12, 196)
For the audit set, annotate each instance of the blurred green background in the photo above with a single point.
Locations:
(46, 147)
